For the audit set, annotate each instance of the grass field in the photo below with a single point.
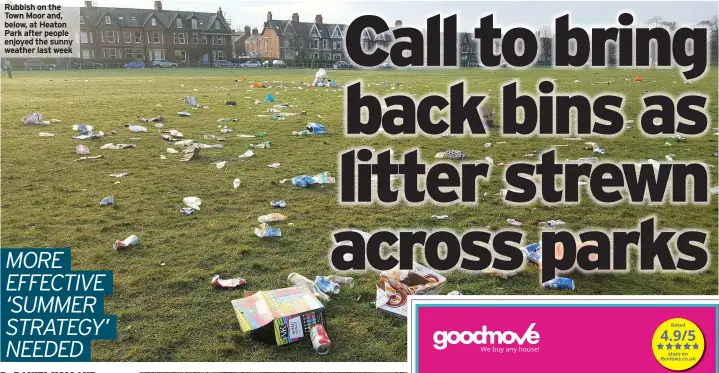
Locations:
(170, 312)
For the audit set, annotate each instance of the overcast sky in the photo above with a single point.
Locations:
(533, 14)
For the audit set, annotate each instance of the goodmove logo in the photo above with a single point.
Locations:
(484, 336)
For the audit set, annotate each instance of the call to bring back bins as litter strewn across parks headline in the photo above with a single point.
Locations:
(545, 113)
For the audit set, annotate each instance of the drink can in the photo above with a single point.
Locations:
(531, 248)
(126, 243)
(326, 286)
(535, 257)
(320, 341)
(560, 283)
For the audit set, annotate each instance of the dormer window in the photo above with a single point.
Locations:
(179, 23)
(194, 23)
(217, 25)
(107, 20)
(153, 21)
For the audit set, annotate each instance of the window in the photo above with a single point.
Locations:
(180, 38)
(218, 40)
(82, 20)
(336, 45)
(108, 36)
(217, 25)
(220, 54)
(128, 37)
(153, 21)
(138, 37)
(138, 54)
(86, 38)
(194, 23)
(337, 57)
(314, 44)
(107, 20)
(328, 56)
(111, 53)
(316, 56)
(156, 37)
(87, 53)
(204, 39)
(195, 38)
(325, 44)
(128, 54)
(181, 55)
(178, 22)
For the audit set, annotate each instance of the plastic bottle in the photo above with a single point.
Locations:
(126, 243)
(326, 286)
(271, 217)
(342, 280)
(264, 145)
(297, 280)
(262, 134)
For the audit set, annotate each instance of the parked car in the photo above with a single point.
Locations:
(474, 64)
(85, 65)
(38, 65)
(223, 63)
(135, 65)
(279, 63)
(163, 63)
(341, 65)
(251, 64)
(387, 65)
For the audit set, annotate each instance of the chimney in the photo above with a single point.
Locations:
(269, 16)
(219, 11)
(88, 4)
(254, 31)
(398, 23)
(295, 17)
(318, 19)
(158, 6)
(247, 30)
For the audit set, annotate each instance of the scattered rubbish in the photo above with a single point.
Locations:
(121, 174)
(299, 281)
(273, 165)
(489, 160)
(326, 286)
(236, 183)
(191, 153)
(247, 154)
(229, 283)
(107, 201)
(83, 128)
(174, 133)
(157, 118)
(220, 165)
(86, 158)
(159, 125)
(187, 210)
(163, 157)
(47, 134)
(264, 145)
(269, 98)
(577, 81)
(172, 151)
(295, 308)
(395, 286)
(559, 283)
(226, 120)
(269, 218)
(265, 230)
(279, 204)
(191, 101)
(226, 130)
(192, 202)
(670, 157)
(320, 77)
(349, 281)
(583, 160)
(304, 181)
(82, 150)
(552, 223)
(32, 118)
(320, 340)
(638, 78)
(134, 128)
(454, 293)
(678, 138)
(312, 129)
(513, 222)
(450, 154)
(594, 147)
(116, 146)
(440, 217)
(262, 134)
(714, 190)
(184, 114)
(127, 243)
(231, 103)
(487, 145)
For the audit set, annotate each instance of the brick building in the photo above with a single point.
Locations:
(293, 39)
(149, 34)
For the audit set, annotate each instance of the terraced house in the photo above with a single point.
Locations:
(149, 34)
(292, 39)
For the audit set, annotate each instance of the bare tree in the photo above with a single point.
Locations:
(545, 36)
(713, 26)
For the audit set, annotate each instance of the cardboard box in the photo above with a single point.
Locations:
(281, 316)
(395, 286)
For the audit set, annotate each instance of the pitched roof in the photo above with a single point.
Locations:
(253, 38)
(130, 17)
(303, 29)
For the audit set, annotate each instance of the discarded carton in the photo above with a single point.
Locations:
(395, 286)
(280, 316)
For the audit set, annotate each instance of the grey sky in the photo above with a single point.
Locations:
(533, 14)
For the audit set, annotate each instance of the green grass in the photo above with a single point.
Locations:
(170, 312)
